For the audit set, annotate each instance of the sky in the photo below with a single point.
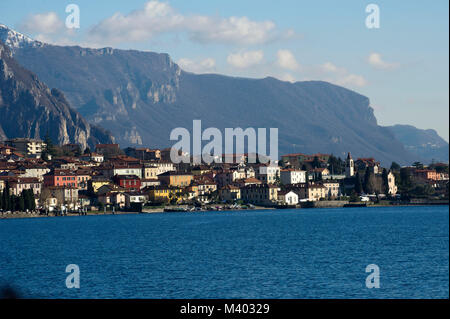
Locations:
(402, 66)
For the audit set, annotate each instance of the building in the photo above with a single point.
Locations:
(112, 198)
(288, 197)
(178, 179)
(230, 193)
(64, 197)
(320, 173)
(145, 153)
(59, 177)
(18, 184)
(247, 181)
(83, 177)
(162, 193)
(28, 146)
(364, 163)
(296, 160)
(96, 182)
(333, 189)
(205, 186)
(268, 174)
(36, 171)
(131, 182)
(349, 166)
(426, 174)
(292, 176)
(93, 157)
(391, 184)
(134, 200)
(309, 192)
(153, 169)
(6, 150)
(149, 182)
(109, 171)
(224, 178)
(264, 194)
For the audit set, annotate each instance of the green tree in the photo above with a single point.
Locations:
(49, 147)
(395, 166)
(418, 165)
(384, 177)
(358, 185)
(315, 163)
(6, 197)
(336, 165)
(368, 185)
(354, 197)
(20, 203)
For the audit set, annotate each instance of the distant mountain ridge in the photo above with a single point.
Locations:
(426, 144)
(30, 109)
(141, 96)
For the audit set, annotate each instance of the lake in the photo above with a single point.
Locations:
(292, 253)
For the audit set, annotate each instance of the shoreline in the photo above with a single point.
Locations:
(20, 215)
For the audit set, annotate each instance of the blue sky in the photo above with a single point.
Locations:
(402, 66)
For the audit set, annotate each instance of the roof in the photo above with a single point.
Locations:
(60, 172)
(174, 173)
(126, 177)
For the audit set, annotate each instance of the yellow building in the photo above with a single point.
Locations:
(96, 183)
(163, 193)
(178, 179)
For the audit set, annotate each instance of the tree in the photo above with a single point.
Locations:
(20, 203)
(29, 199)
(6, 198)
(87, 150)
(315, 163)
(418, 165)
(354, 197)
(336, 164)
(358, 185)
(395, 166)
(384, 177)
(49, 147)
(368, 185)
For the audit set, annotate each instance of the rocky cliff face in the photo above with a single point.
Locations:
(29, 108)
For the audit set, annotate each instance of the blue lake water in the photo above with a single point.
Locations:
(309, 253)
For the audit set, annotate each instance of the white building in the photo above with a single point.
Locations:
(268, 174)
(289, 198)
(292, 176)
(349, 166)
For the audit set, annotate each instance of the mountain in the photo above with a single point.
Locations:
(141, 96)
(30, 109)
(15, 40)
(425, 144)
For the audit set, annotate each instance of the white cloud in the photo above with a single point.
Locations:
(286, 60)
(46, 23)
(342, 76)
(329, 67)
(159, 17)
(239, 30)
(245, 59)
(352, 80)
(207, 65)
(376, 61)
(287, 77)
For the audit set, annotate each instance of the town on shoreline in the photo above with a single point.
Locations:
(38, 178)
